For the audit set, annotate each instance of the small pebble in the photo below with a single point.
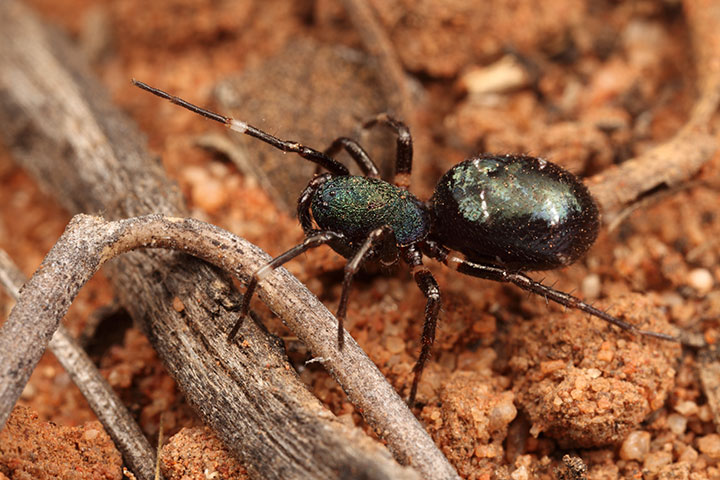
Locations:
(605, 356)
(218, 170)
(710, 445)
(504, 75)
(520, 474)
(210, 195)
(701, 280)
(704, 413)
(28, 392)
(502, 414)
(635, 446)
(207, 192)
(654, 461)
(677, 423)
(604, 404)
(550, 366)
(591, 286)
(581, 383)
(486, 451)
(686, 408)
(194, 174)
(689, 455)
(178, 305)
(91, 434)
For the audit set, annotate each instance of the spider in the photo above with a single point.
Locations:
(504, 214)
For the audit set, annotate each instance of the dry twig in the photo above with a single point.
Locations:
(129, 439)
(89, 242)
(678, 160)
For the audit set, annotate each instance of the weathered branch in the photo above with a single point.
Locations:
(679, 159)
(62, 128)
(88, 242)
(120, 425)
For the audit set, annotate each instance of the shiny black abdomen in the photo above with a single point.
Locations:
(516, 211)
(355, 206)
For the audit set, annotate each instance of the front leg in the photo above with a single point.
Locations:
(404, 151)
(312, 241)
(384, 237)
(308, 153)
(356, 152)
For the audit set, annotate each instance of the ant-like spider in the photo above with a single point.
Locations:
(506, 214)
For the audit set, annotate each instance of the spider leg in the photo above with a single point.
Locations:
(355, 150)
(383, 236)
(403, 160)
(498, 274)
(312, 241)
(567, 300)
(329, 164)
(429, 287)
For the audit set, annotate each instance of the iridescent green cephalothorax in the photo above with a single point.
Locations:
(356, 206)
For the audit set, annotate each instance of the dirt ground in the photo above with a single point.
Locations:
(514, 384)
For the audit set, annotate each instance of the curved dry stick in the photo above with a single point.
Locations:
(120, 425)
(665, 166)
(680, 158)
(88, 242)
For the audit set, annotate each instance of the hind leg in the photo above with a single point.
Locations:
(429, 287)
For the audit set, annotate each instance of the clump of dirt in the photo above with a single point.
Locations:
(470, 421)
(31, 449)
(135, 372)
(586, 384)
(198, 453)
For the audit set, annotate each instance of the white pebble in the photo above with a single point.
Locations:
(590, 286)
(520, 474)
(701, 280)
(677, 423)
(686, 408)
(504, 75)
(635, 446)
